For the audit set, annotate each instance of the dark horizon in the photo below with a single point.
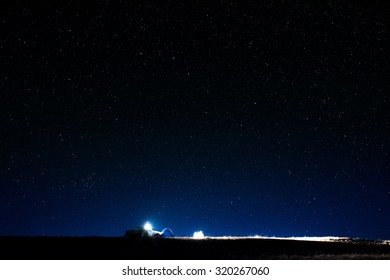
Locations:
(130, 248)
(256, 118)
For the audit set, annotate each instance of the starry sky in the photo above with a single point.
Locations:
(231, 117)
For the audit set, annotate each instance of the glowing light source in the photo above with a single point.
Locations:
(198, 234)
(148, 226)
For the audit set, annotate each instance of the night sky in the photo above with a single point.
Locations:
(231, 117)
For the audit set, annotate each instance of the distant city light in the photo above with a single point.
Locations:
(198, 234)
(148, 226)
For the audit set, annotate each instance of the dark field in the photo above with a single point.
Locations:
(120, 248)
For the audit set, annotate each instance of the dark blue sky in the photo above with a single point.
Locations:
(232, 118)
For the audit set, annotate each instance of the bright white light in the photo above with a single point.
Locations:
(148, 226)
(198, 234)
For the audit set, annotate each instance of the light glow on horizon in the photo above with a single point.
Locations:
(148, 226)
(198, 235)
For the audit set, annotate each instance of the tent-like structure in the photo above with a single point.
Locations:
(167, 232)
